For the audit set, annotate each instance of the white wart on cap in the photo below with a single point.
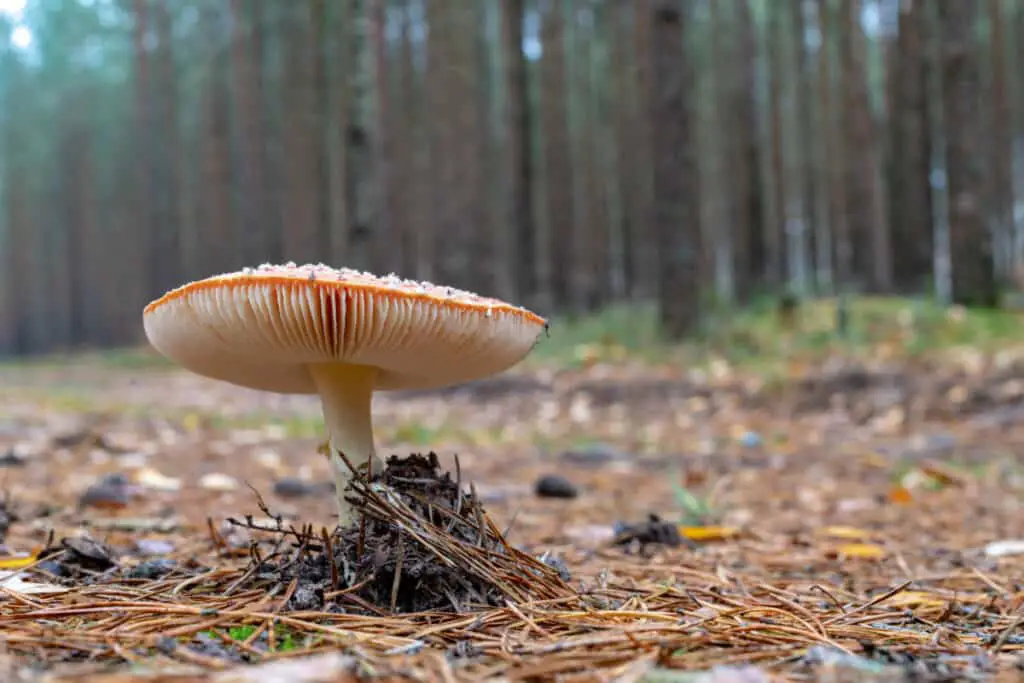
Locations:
(340, 333)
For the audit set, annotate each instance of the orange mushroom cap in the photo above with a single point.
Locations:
(261, 327)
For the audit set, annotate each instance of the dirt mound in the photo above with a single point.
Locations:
(424, 544)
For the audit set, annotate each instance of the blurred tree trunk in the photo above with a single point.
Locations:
(641, 141)
(743, 165)
(165, 238)
(142, 190)
(1000, 188)
(803, 144)
(409, 201)
(970, 240)
(302, 189)
(251, 230)
(819, 165)
(910, 210)
(443, 137)
(716, 137)
(558, 169)
(386, 243)
(623, 67)
(833, 131)
(9, 319)
(590, 234)
(84, 256)
(795, 129)
(522, 234)
(275, 31)
(477, 265)
(676, 195)
(775, 176)
(336, 106)
(14, 236)
(319, 120)
(217, 215)
(873, 261)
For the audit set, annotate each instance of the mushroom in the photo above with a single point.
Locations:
(341, 334)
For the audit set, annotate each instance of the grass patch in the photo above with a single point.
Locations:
(125, 358)
(760, 338)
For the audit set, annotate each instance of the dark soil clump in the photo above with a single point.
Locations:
(423, 544)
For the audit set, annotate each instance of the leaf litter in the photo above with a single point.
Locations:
(806, 565)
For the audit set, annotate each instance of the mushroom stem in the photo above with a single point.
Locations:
(346, 393)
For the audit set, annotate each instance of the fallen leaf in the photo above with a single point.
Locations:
(916, 599)
(860, 551)
(846, 532)
(191, 422)
(21, 561)
(708, 533)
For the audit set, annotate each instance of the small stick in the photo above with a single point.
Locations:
(329, 549)
(398, 572)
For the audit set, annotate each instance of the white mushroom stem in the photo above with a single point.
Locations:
(346, 393)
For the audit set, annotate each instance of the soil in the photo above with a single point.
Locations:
(860, 522)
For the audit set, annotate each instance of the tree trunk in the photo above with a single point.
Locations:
(676, 195)
(911, 211)
(1000, 188)
(970, 241)
(519, 154)
(250, 230)
(835, 148)
(558, 169)
(874, 259)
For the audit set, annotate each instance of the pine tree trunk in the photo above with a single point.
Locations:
(676, 195)
(970, 241)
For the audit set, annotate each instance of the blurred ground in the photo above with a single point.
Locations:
(863, 518)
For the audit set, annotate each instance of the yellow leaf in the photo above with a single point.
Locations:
(708, 533)
(190, 423)
(926, 599)
(876, 460)
(848, 532)
(19, 562)
(861, 551)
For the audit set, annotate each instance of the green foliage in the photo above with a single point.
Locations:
(755, 337)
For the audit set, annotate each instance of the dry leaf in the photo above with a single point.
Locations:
(847, 532)
(860, 551)
(916, 599)
(19, 562)
(708, 533)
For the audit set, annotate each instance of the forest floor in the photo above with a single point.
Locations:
(850, 513)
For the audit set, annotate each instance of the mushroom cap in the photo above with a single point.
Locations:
(261, 328)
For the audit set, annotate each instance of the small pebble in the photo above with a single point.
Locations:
(293, 487)
(594, 454)
(217, 481)
(153, 479)
(105, 495)
(555, 486)
(154, 546)
(11, 459)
